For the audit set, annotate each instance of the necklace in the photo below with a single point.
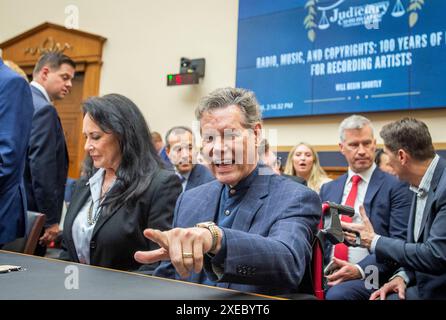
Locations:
(104, 190)
(90, 218)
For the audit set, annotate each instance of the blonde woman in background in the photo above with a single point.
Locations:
(303, 162)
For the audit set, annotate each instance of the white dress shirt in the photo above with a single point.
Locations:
(82, 230)
(356, 254)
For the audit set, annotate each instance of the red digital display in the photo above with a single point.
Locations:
(182, 78)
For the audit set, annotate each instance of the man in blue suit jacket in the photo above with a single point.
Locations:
(47, 161)
(249, 230)
(422, 258)
(180, 149)
(386, 199)
(16, 109)
(161, 149)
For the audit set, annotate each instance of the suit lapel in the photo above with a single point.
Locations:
(76, 205)
(251, 203)
(376, 180)
(60, 127)
(335, 194)
(197, 209)
(338, 189)
(413, 210)
(73, 210)
(193, 178)
(212, 203)
(103, 218)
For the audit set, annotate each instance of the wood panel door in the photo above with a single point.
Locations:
(335, 172)
(70, 114)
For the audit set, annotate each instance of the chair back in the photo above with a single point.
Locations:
(329, 229)
(27, 245)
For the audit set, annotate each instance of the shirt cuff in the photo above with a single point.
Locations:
(403, 275)
(360, 271)
(374, 241)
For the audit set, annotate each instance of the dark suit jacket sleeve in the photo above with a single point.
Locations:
(409, 274)
(166, 268)
(162, 207)
(429, 256)
(282, 256)
(400, 200)
(42, 160)
(15, 122)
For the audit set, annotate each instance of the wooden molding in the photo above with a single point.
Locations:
(48, 45)
(334, 148)
(26, 48)
(335, 172)
(49, 25)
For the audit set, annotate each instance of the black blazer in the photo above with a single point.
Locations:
(119, 234)
(47, 161)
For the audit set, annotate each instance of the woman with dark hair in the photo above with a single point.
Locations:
(123, 190)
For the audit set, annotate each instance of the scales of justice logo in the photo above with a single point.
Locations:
(321, 16)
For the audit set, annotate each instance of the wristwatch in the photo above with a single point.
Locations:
(212, 227)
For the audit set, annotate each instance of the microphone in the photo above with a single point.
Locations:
(341, 209)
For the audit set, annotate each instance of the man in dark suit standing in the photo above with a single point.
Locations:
(180, 149)
(386, 199)
(16, 109)
(422, 258)
(47, 161)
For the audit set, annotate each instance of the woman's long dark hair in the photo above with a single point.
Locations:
(118, 115)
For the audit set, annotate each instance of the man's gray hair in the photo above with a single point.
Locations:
(225, 97)
(353, 122)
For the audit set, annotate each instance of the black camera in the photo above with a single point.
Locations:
(332, 223)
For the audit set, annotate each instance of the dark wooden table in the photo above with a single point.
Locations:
(43, 278)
